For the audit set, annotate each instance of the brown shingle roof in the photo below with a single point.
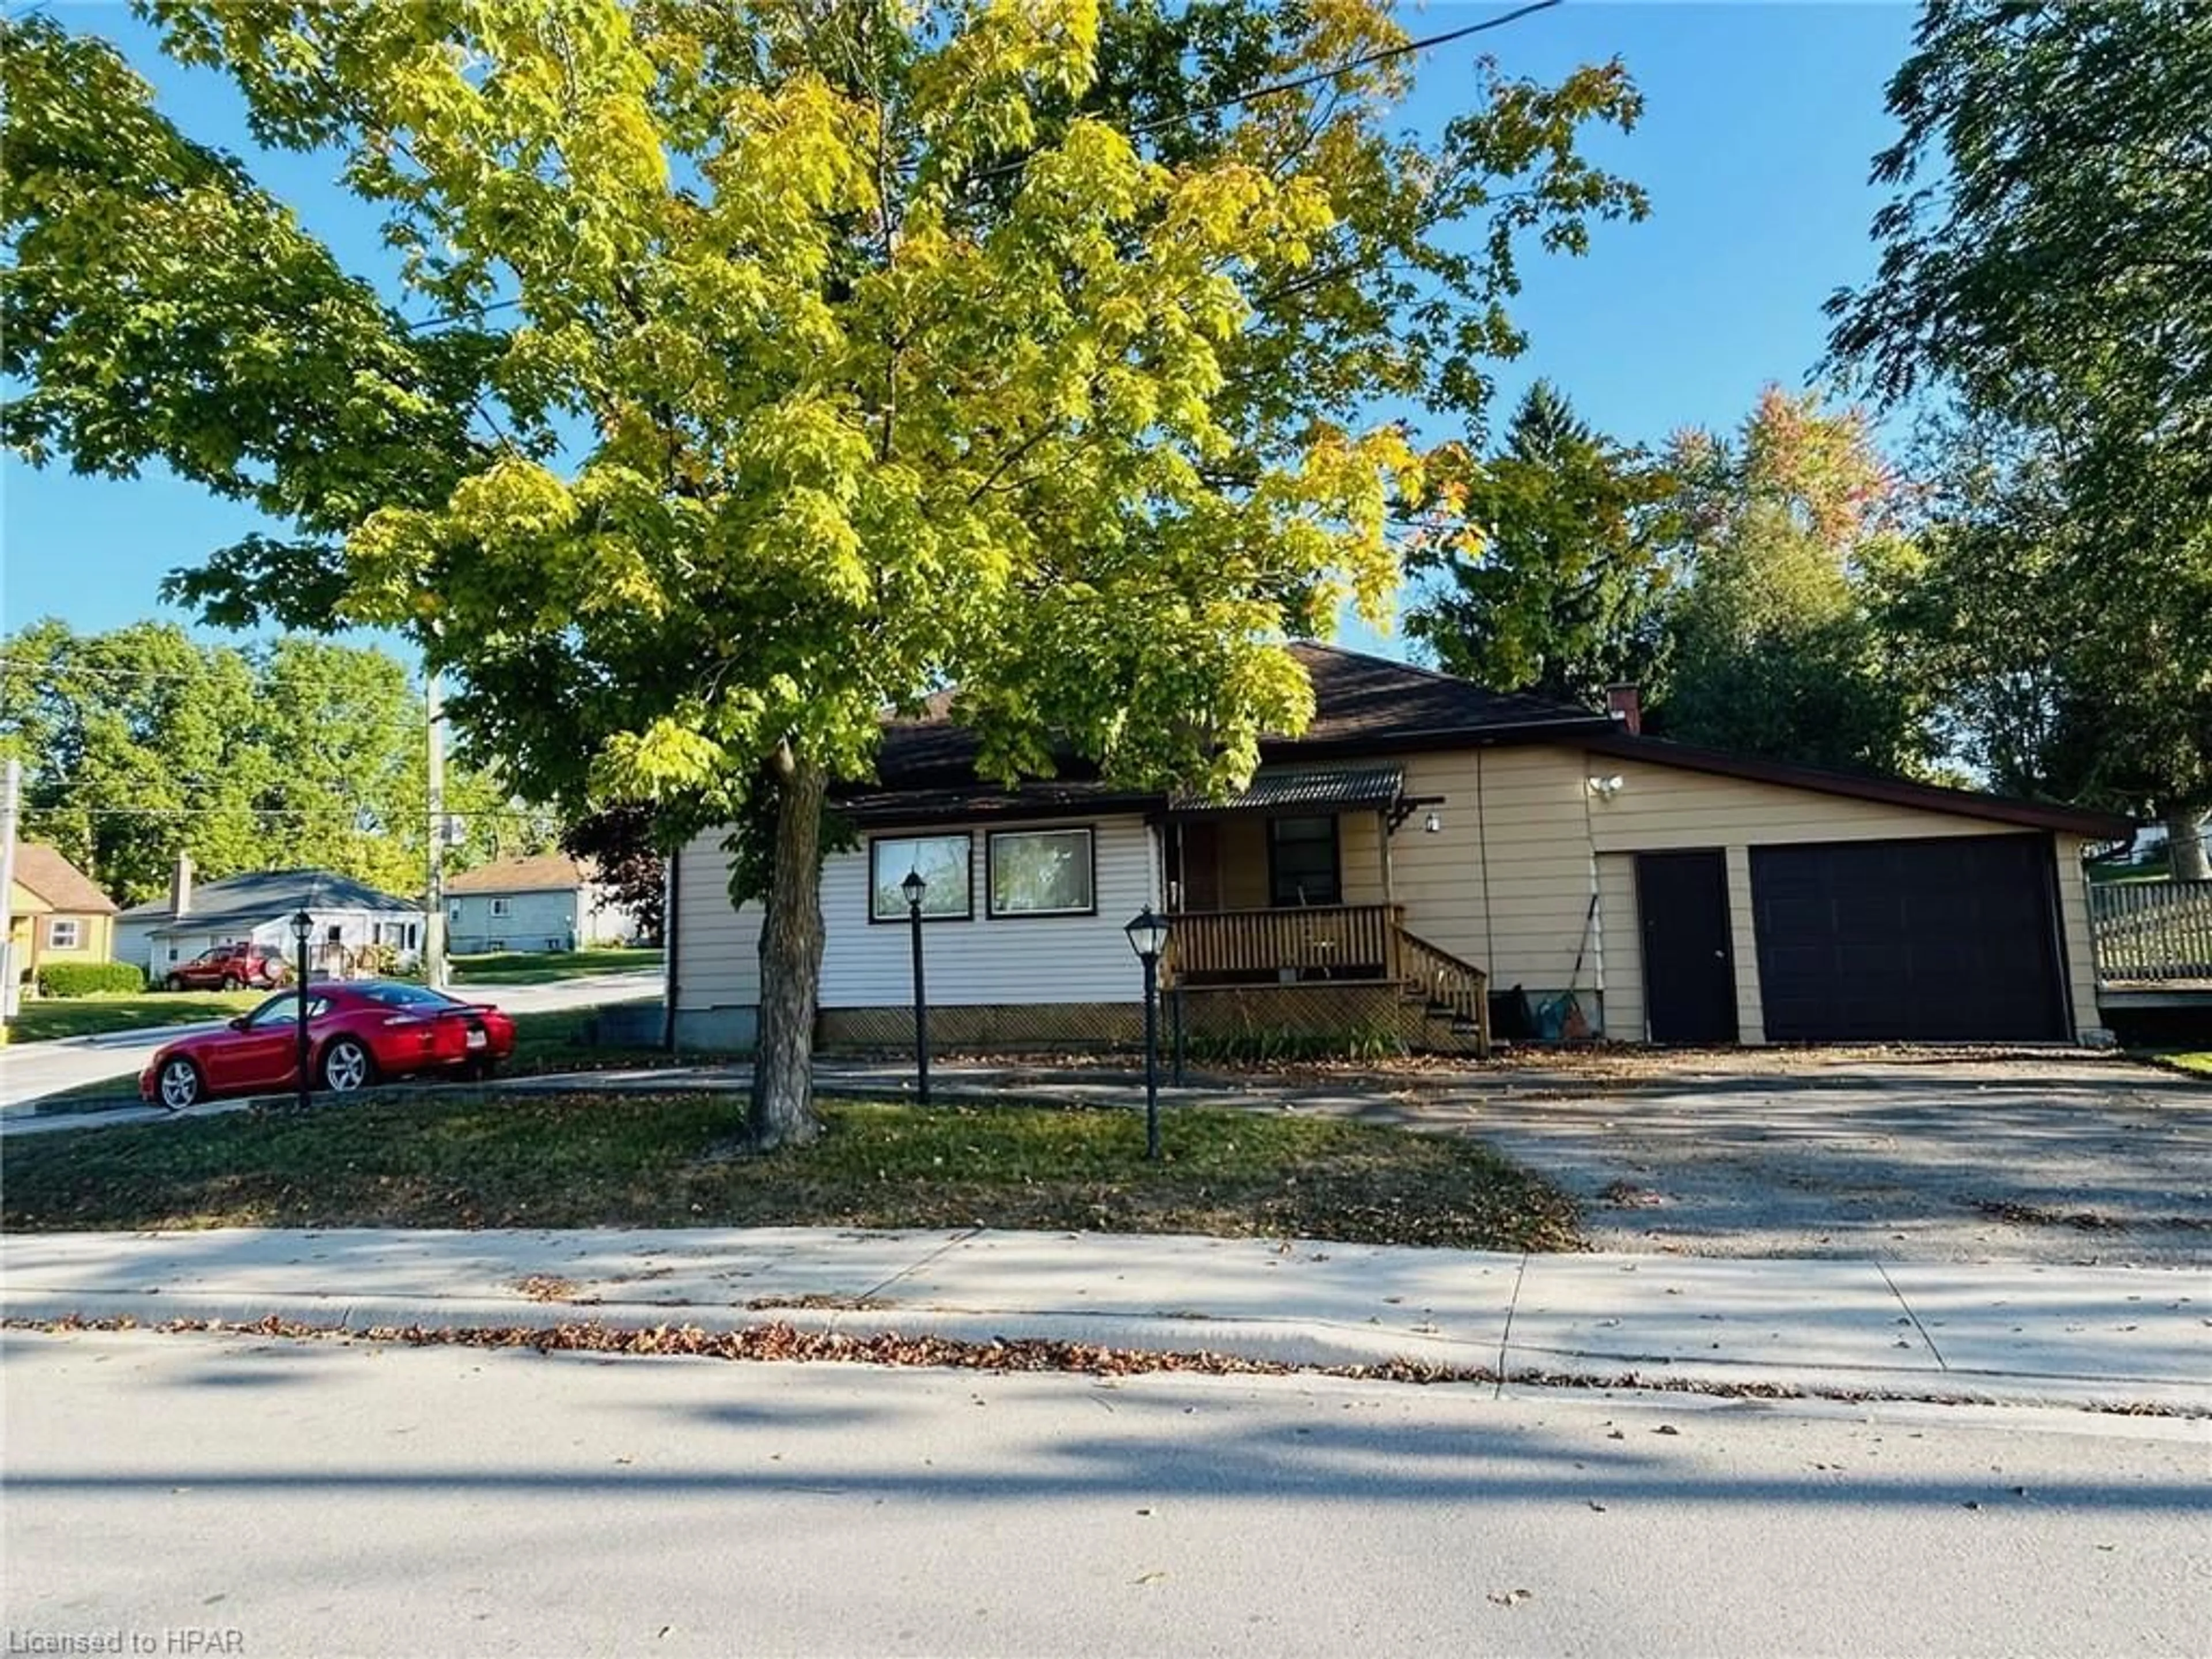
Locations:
(60, 884)
(543, 872)
(1362, 705)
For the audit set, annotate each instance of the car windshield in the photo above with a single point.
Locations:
(409, 996)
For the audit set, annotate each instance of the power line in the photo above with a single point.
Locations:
(481, 311)
(1277, 89)
(56, 668)
(1379, 56)
(303, 813)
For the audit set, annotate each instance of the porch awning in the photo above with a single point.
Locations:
(1286, 789)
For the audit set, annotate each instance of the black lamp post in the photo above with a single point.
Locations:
(1148, 936)
(913, 887)
(302, 925)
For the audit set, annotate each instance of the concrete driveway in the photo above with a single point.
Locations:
(1929, 1156)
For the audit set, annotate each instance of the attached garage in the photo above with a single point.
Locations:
(1948, 939)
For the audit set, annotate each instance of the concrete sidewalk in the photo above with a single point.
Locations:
(2116, 1338)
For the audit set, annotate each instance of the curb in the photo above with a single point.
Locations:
(1300, 1346)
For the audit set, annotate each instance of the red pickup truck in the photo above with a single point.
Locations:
(231, 968)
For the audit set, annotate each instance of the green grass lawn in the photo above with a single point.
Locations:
(50, 1018)
(545, 966)
(586, 1160)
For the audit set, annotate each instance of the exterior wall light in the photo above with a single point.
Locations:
(1605, 788)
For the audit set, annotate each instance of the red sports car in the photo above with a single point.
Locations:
(358, 1033)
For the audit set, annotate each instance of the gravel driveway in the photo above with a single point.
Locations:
(1938, 1156)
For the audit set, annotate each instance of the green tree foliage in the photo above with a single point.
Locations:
(140, 744)
(2044, 263)
(1542, 566)
(2007, 618)
(1786, 546)
(619, 843)
(800, 360)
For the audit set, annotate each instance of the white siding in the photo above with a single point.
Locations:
(605, 920)
(716, 960)
(985, 961)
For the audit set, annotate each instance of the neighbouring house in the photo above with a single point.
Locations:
(548, 901)
(1424, 852)
(55, 912)
(258, 907)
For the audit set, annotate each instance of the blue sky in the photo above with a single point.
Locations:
(1760, 125)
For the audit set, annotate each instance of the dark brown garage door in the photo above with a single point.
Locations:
(1949, 941)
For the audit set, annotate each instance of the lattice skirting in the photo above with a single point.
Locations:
(1314, 1016)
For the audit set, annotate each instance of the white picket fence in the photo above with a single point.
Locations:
(2152, 932)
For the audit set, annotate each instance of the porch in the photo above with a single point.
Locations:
(1282, 907)
(1325, 967)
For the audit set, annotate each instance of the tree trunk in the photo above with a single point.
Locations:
(782, 1112)
(2187, 832)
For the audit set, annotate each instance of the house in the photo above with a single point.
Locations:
(55, 912)
(549, 902)
(257, 908)
(1423, 847)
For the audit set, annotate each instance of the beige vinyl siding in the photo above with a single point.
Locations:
(1622, 972)
(1359, 850)
(989, 961)
(1243, 863)
(1505, 883)
(1660, 808)
(1743, 949)
(2080, 951)
(1671, 806)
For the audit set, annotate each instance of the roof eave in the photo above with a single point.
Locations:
(1566, 729)
(1893, 792)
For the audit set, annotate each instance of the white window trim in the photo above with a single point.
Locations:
(501, 907)
(1091, 871)
(54, 940)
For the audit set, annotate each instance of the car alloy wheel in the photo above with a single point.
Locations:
(173, 983)
(180, 1085)
(345, 1067)
(230, 982)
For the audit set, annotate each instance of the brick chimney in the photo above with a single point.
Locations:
(1626, 704)
(181, 885)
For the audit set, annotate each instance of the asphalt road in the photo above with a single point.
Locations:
(328, 1499)
(32, 1071)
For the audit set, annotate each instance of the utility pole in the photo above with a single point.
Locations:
(433, 925)
(11, 791)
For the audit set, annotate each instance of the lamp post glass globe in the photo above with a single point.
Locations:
(302, 925)
(913, 887)
(1148, 934)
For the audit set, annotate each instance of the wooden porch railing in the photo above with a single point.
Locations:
(1325, 940)
(1448, 982)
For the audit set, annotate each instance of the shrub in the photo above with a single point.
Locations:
(88, 979)
(1370, 1040)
